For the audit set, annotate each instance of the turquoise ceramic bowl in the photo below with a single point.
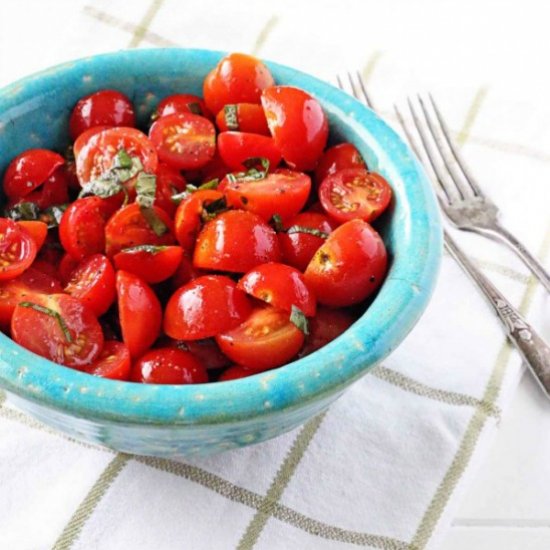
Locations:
(189, 420)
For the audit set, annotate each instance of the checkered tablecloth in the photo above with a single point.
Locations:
(385, 466)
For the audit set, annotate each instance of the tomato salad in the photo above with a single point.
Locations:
(224, 240)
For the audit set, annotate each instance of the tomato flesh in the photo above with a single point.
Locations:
(153, 264)
(114, 362)
(17, 249)
(338, 157)
(169, 366)
(37, 230)
(235, 372)
(237, 147)
(182, 103)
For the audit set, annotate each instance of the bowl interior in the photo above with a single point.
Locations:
(34, 112)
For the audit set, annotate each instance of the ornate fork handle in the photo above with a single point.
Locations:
(534, 351)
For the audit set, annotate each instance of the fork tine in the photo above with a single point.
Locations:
(353, 88)
(366, 96)
(459, 160)
(339, 81)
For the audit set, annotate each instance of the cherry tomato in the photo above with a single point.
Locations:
(17, 249)
(66, 267)
(237, 78)
(113, 362)
(45, 267)
(82, 227)
(215, 169)
(236, 147)
(236, 241)
(58, 327)
(182, 103)
(354, 193)
(190, 214)
(206, 350)
(128, 227)
(24, 288)
(281, 193)
(153, 264)
(29, 170)
(54, 191)
(103, 108)
(327, 325)
(98, 154)
(139, 311)
(265, 340)
(169, 366)
(169, 182)
(298, 125)
(349, 267)
(338, 157)
(281, 286)
(83, 139)
(93, 283)
(37, 230)
(184, 141)
(205, 307)
(243, 117)
(235, 372)
(299, 246)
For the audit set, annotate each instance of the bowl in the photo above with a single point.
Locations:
(172, 421)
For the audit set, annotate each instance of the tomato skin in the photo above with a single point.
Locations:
(236, 147)
(215, 169)
(354, 193)
(281, 286)
(338, 157)
(54, 191)
(113, 362)
(237, 78)
(29, 170)
(36, 229)
(298, 125)
(206, 351)
(205, 307)
(140, 313)
(297, 249)
(42, 334)
(128, 227)
(349, 266)
(284, 192)
(235, 372)
(169, 182)
(93, 283)
(169, 366)
(250, 118)
(267, 339)
(151, 266)
(236, 241)
(103, 108)
(183, 140)
(66, 267)
(185, 272)
(17, 249)
(181, 103)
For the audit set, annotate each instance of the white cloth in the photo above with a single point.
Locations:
(386, 466)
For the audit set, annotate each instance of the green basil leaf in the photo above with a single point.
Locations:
(146, 188)
(195, 108)
(122, 160)
(257, 169)
(149, 248)
(308, 230)
(53, 214)
(52, 313)
(211, 184)
(231, 117)
(23, 211)
(298, 318)
(155, 223)
(213, 209)
(277, 223)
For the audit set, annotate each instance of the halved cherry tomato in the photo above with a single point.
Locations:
(129, 227)
(206, 350)
(29, 170)
(185, 272)
(184, 141)
(83, 139)
(139, 311)
(54, 191)
(169, 182)
(215, 169)
(36, 229)
(283, 192)
(298, 125)
(281, 286)
(153, 264)
(205, 307)
(66, 267)
(237, 78)
(235, 372)
(93, 283)
(243, 117)
(46, 267)
(169, 366)
(354, 193)
(103, 108)
(17, 249)
(182, 103)
(349, 267)
(58, 327)
(97, 155)
(338, 157)
(236, 147)
(190, 214)
(236, 241)
(82, 227)
(113, 362)
(265, 340)
(300, 244)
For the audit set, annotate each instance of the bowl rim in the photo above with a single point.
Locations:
(404, 294)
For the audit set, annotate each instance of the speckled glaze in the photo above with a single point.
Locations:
(173, 421)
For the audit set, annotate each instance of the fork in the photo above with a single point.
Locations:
(532, 348)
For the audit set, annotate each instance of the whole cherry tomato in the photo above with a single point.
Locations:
(237, 147)
(113, 362)
(169, 366)
(153, 264)
(54, 191)
(185, 272)
(169, 183)
(17, 249)
(338, 157)
(66, 267)
(235, 372)
(182, 103)
(206, 351)
(243, 117)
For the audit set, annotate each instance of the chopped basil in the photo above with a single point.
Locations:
(149, 248)
(257, 169)
(122, 160)
(52, 313)
(69, 154)
(195, 108)
(104, 188)
(231, 118)
(210, 184)
(23, 211)
(213, 209)
(146, 188)
(178, 197)
(52, 215)
(155, 223)
(298, 318)
(308, 230)
(277, 223)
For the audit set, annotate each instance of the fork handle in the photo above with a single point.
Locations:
(503, 235)
(532, 348)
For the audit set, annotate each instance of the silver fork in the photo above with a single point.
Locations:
(533, 349)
